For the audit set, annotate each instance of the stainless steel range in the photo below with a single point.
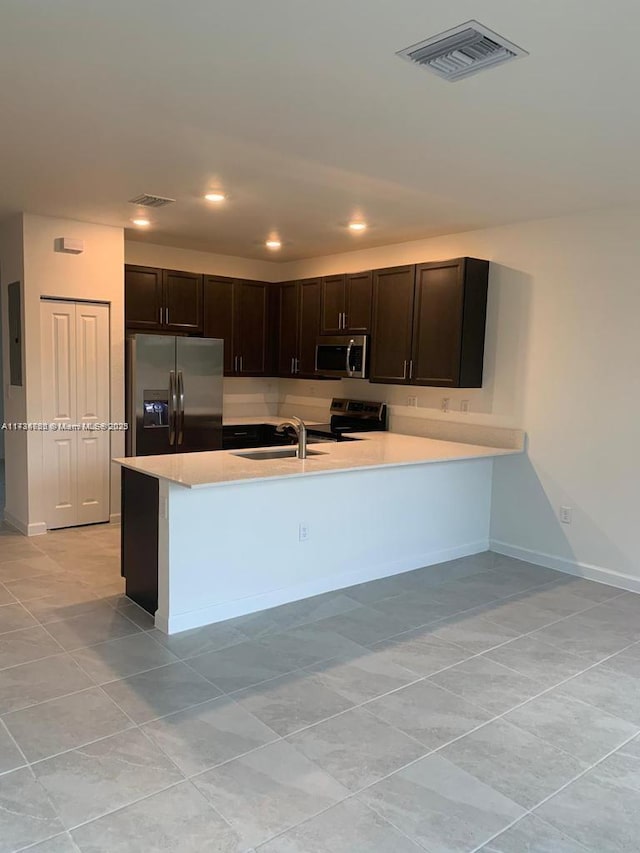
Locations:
(349, 416)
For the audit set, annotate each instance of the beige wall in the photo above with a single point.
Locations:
(12, 269)
(168, 257)
(562, 359)
(96, 274)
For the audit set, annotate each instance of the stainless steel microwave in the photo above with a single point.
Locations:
(343, 355)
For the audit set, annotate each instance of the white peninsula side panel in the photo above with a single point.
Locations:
(236, 549)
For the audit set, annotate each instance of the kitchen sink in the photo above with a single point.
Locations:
(276, 453)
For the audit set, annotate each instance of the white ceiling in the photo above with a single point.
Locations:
(302, 112)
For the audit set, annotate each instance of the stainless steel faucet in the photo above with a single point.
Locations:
(298, 426)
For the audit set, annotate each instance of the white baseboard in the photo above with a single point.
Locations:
(571, 567)
(114, 518)
(35, 529)
(274, 598)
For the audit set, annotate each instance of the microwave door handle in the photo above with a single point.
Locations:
(348, 365)
(173, 405)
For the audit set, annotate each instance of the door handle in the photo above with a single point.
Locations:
(173, 406)
(166, 316)
(340, 320)
(296, 365)
(181, 407)
(344, 321)
(292, 369)
(240, 361)
(404, 369)
(235, 364)
(349, 348)
(411, 369)
(160, 310)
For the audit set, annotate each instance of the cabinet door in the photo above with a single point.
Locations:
(287, 328)
(143, 306)
(437, 324)
(358, 288)
(449, 323)
(250, 316)
(218, 316)
(392, 324)
(310, 293)
(182, 301)
(333, 304)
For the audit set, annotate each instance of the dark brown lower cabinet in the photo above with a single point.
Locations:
(139, 538)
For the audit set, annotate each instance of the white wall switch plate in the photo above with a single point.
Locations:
(444, 405)
(412, 401)
(566, 513)
(303, 531)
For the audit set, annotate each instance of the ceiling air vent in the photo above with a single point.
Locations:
(146, 200)
(462, 51)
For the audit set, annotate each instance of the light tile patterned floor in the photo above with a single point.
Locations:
(481, 705)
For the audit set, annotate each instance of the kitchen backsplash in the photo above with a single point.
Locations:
(310, 400)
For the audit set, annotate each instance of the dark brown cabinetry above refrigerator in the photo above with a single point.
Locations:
(159, 300)
(429, 323)
(298, 326)
(346, 303)
(238, 311)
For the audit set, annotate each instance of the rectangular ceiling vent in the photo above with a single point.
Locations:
(147, 200)
(462, 51)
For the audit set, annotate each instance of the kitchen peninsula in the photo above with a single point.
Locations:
(209, 536)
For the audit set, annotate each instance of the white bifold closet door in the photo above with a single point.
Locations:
(75, 392)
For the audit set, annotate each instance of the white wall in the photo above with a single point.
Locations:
(12, 269)
(168, 257)
(399, 519)
(562, 362)
(96, 274)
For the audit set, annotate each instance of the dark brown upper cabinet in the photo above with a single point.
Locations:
(392, 328)
(287, 328)
(218, 316)
(429, 324)
(163, 300)
(143, 302)
(346, 303)
(298, 327)
(182, 296)
(449, 319)
(250, 328)
(238, 312)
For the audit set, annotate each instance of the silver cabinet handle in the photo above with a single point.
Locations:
(240, 361)
(166, 316)
(411, 369)
(181, 405)
(340, 320)
(344, 321)
(293, 365)
(173, 406)
(160, 315)
(297, 365)
(404, 369)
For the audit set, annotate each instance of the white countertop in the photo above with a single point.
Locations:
(375, 450)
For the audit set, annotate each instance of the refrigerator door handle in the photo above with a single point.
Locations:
(180, 407)
(173, 405)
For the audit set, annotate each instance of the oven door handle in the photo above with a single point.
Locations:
(348, 360)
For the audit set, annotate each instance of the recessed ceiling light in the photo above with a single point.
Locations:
(215, 196)
(274, 244)
(141, 223)
(358, 226)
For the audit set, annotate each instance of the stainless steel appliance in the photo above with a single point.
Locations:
(343, 355)
(349, 416)
(173, 394)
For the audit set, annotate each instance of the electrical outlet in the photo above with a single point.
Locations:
(303, 531)
(566, 514)
(444, 405)
(412, 401)
(464, 406)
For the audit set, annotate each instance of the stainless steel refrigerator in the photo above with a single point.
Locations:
(173, 394)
